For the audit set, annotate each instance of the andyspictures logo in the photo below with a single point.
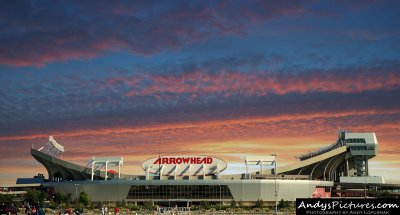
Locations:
(347, 206)
(344, 205)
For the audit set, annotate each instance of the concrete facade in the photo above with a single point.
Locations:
(241, 190)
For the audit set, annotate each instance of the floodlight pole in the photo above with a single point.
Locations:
(276, 190)
(76, 194)
(159, 164)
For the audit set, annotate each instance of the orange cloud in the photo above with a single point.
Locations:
(200, 126)
(231, 140)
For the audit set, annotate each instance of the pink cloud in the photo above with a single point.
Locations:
(229, 83)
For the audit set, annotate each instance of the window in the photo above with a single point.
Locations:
(355, 140)
(148, 192)
(358, 148)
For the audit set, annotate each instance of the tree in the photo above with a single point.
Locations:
(233, 203)
(84, 199)
(60, 199)
(283, 204)
(35, 197)
(121, 204)
(259, 203)
(149, 205)
(68, 200)
(63, 200)
(6, 198)
(206, 205)
(134, 207)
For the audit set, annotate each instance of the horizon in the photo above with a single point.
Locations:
(234, 168)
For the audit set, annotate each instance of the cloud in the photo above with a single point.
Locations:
(175, 77)
(288, 135)
(37, 33)
(231, 82)
(212, 129)
(193, 93)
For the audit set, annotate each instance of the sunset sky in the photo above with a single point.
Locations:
(219, 78)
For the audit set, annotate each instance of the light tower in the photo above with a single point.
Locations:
(276, 188)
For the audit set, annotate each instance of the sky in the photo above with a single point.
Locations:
(219, 78)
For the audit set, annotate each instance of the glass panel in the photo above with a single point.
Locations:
(149, 192)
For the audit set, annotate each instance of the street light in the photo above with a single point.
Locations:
(276, 190)
(76, 193)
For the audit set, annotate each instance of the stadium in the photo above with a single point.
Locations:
(338, 170)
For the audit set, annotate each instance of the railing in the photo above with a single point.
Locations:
(283, 176)
(319, 152)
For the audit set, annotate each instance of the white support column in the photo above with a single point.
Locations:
(148, 172)
(261, 169)
(176, 170)
(93, 169)
(161, 171)
(204, 171)
(217, 169)
(119, 170)
(247, 170)
(190, 170)
(106, 175)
